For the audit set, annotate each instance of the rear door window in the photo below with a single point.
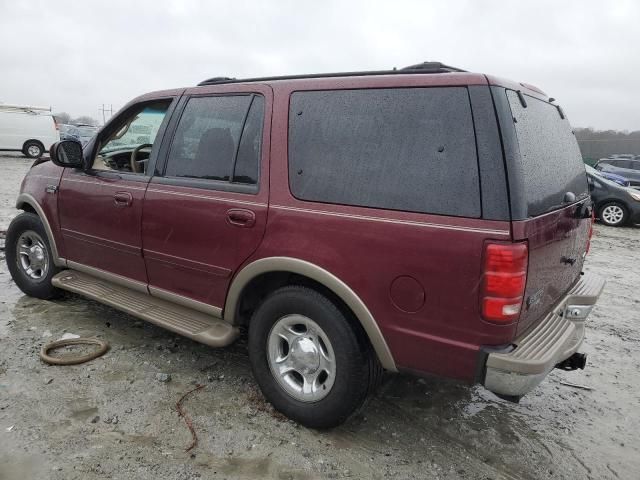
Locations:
(549, 155)
(410, 149)
(218, 138)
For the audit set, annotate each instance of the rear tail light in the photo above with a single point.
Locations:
(504, 278)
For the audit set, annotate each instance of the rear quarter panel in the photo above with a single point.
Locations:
(436, 258)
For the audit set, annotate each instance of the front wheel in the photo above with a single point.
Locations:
(311, 363)
(29, 257)
(613, 214)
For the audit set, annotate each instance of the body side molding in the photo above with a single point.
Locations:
(25, 198)
(333, 283)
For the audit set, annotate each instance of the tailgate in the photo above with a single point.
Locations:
(557, 244)
(549, 196)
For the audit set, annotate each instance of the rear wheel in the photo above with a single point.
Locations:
(29, 257)
(33, 149)
(613, 214)
(311, 363)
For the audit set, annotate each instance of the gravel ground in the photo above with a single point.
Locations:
(114, 418)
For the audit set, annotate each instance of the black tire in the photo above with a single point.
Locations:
(357, 370)
(41, 287)
(33, 149)
(606, 214)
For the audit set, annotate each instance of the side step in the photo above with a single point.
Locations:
(185, 321)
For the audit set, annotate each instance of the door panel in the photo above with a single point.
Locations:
(100, 210)
(191, 245)
(205, 211)
(100, 217)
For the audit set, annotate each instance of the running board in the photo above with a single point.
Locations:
(185, 321)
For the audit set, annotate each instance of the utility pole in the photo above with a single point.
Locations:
(104, 110)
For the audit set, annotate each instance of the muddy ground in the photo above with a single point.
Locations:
(111, 418)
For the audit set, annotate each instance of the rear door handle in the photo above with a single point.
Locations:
(240, 217)
(122, 199)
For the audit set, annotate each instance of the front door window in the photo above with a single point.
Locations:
(128, 147)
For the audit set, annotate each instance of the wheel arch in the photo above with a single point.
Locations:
(285, 266)
(28, 203)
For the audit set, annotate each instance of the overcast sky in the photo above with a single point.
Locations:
(75, 56)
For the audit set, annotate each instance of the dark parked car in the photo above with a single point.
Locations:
(85, 133)
(614, 205)
(69, 132)
(628, 168)
(425, 220)
(80, 133)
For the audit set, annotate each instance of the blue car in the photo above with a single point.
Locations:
(619, 179)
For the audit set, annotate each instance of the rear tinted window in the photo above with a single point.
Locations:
(207, 136)
(409, 149)
(549, 154)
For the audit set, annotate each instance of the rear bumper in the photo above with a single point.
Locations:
(519, 369)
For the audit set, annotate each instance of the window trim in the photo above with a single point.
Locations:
(160, 175)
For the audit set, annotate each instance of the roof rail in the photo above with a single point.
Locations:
(424, 67)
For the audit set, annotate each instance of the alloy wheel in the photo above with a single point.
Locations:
(301, 358)
(612, 214)
(32, 255)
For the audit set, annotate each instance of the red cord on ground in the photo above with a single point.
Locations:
(186, 418)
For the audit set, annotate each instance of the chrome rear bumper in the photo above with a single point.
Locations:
(516, 372)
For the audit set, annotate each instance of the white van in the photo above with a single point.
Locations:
(30, 130)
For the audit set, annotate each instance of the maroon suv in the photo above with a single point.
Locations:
(426, 220)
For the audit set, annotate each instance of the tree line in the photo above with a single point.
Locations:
(595, 144)
(64, 117)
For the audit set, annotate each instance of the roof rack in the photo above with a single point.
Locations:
(424, 67)
(23, 108)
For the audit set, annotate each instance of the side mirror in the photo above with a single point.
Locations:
(67, 153)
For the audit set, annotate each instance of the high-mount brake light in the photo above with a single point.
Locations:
(504, 279)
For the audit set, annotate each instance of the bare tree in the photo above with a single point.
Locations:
(62, 117)
(595, 144)
(85, 119)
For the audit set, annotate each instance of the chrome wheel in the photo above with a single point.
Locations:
(33, 150)
(301, 358)
(612, 214)
(32, 255)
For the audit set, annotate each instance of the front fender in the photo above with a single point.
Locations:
(25, 199)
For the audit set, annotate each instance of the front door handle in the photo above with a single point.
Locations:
(122, 199)
(240, 217)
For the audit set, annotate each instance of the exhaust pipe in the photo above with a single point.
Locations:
(574, 362)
